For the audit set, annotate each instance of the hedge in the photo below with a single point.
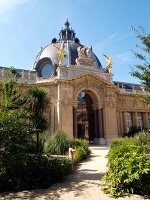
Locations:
(128, 166)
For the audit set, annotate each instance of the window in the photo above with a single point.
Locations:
(140, 119)
(129, 119)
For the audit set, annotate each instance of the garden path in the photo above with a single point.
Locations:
(82, 184)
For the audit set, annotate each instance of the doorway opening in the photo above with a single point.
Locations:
(85, 117)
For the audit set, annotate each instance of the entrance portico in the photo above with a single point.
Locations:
(87, 117)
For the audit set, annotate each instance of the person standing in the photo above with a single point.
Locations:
(71, 153)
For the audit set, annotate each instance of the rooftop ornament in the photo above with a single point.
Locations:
(108, 63)
(60, 53)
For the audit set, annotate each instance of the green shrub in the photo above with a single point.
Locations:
(33, 171)
(142, 138)
(129, 166)
(121, 141)
(58, 145)
(82, 143)
(80, 154)
(134, 130)
(81, 149)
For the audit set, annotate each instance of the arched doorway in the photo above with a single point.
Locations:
(85, 117)
(87, 121)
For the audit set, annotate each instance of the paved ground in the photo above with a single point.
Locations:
(81, 185)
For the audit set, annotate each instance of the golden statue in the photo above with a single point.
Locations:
(109, 63)
(60, 53)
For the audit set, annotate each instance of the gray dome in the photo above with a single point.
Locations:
(69, 44)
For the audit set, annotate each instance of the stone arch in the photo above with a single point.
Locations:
(94, 117)
(91, 92)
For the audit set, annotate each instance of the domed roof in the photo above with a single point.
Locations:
(69, 43)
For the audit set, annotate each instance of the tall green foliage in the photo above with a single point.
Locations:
(57, 145)
(142, 70)
(37, 103)
(13, 129)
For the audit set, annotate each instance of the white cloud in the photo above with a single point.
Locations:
(7, 5)
(122, 58)
(124, 36)
(112, 40)
(112, 37)
(117, 37)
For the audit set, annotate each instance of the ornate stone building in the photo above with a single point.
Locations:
(85, 101)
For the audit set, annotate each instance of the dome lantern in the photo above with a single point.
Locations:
(66, 33)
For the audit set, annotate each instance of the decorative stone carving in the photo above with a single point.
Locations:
(66, 99)
(84, 56)
(111, 100)
(86, 84)
(119, 102)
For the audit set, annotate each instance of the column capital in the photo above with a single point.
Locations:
(58, 102)
(94, 106)
(75, 104)
(97, 106)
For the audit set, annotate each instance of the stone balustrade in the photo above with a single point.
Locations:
(24, 76)
(133, 91)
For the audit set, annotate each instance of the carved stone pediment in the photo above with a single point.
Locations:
(87, 84)
(84, 56)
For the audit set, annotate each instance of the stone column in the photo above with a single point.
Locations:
(96, 123)
(145, 120)
(135, 119)
(59, 113)
(118, 122)
(52, 130)
(75, 128)
(49, 117)
(75, 122)
(121, 122)
(100, 123)
(55, 119)
(124, 122)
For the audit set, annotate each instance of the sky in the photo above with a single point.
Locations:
(106, 25)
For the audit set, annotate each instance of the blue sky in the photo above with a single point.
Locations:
(28, 25)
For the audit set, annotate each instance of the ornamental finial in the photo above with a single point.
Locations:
(67, 24)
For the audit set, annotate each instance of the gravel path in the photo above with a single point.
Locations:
(82, 184)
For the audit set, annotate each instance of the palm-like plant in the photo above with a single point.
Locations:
(37, 104)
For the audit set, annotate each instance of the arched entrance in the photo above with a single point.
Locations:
(87, 117)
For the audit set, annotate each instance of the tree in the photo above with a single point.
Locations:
(12, 98)
(36, 105)
(142, 70)
(16, 135)
(13, 125)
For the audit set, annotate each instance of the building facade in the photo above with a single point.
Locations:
(84, 99)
